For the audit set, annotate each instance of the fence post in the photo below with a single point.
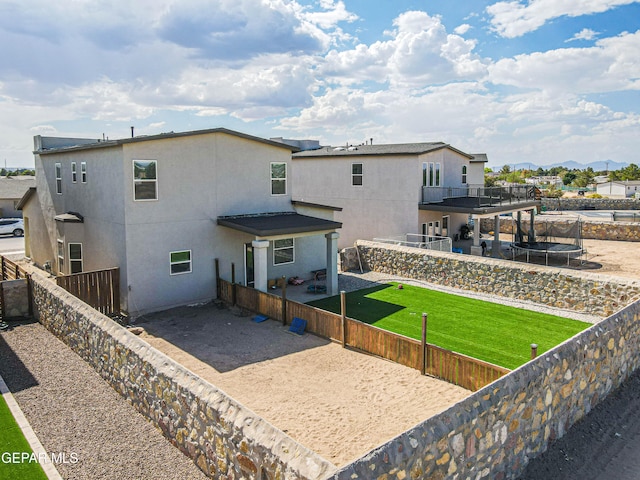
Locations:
(534, 351)
(343, 311)
(3, 269)
(233, 284)
(423, 362)
(284, 301)
(217, 266)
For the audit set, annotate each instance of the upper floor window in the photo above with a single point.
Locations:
(83, 172)
(74, 172)
(59, 178)
(145, 180)
(356, 174)
(278, 178)
(464, 174)
(437, 177)
(431, 174)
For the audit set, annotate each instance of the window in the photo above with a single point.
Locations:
(60, 256)
(431, 174)
(283, 251)
(145, 180)
(75, 257)
(356, 174)
(58, 178)
(180, 262)
(464, 174)
(425, 180)
(437, 184)
(278, 179)
(74, 172)
(83, 172)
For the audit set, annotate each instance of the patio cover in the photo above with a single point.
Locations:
(283, 223)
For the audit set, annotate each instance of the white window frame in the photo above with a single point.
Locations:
(74, 172)
(60, 252)
(276, 179)
(83, 172)
(355, 175)
(464, 174)
(72, 260)
(58, 169)
(277, 249)
(180, 262)
(144, 180)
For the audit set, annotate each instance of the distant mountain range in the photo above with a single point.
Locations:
(571, 164)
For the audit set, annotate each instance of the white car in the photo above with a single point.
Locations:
(13, 226)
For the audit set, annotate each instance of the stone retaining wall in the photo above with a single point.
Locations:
(595, 230)
(224, 438)
(585, 292)
(582, 203)
(16, 298)
(495, 432)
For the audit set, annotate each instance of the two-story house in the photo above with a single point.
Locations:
(384, 191)
(163, 208)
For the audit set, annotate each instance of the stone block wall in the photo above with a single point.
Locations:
(591, 229)
(495, 432)
(224, 438)
(584, 292)
(581, 203)
(16, 298)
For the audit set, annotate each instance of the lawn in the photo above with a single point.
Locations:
(495, 333)
(12, 440)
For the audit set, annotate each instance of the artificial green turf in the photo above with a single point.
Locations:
(12, 440)
(495, 333)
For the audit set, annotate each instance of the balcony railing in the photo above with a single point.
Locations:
(476, 197)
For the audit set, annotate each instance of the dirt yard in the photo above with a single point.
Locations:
(339, 403)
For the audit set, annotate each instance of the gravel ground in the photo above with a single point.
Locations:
(74, 411)
(349, 281)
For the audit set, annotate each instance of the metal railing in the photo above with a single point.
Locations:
(427, 242)
(473, 196)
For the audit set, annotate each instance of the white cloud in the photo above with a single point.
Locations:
(462, 29)
(610, 65)
(419, 52)
(514, 18)
(584, 34)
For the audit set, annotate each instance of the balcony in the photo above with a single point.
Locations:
(474, 197)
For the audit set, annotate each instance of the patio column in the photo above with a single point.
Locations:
(476, 249)
(495, 245)
(332, 263)
(260, 261)
(532, 228)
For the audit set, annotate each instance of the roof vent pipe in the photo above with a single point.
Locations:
(371, 140)
(132, 131)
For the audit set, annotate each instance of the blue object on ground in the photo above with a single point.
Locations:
(298, 325)
(456, 250)
(260, 318)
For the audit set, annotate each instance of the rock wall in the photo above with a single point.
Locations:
(16, 298)
(595, 230)
(584, 292)
(225, 439)
(582, 203)
(495, 432)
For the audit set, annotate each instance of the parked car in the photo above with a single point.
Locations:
(13, 226)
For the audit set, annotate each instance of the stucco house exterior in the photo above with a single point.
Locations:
(619, 189)
(12, 189)
(390, 190)
(163, 208)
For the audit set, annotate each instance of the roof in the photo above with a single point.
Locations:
(282, 223)
(78, 144)
(622, 182)
(16, 187)
(69, 217)
(479, 157)
(302, 203)
(25, 198)
(379, 150)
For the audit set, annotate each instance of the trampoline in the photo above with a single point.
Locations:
(555, 240)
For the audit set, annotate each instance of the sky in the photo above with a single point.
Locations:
(539, 81)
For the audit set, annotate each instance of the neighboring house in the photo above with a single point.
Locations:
(12, 189)
(384, 191)
(621, 189)
(545, 180)
(163, 208)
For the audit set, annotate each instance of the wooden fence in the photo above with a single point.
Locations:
(99, 289)
(467, 372)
